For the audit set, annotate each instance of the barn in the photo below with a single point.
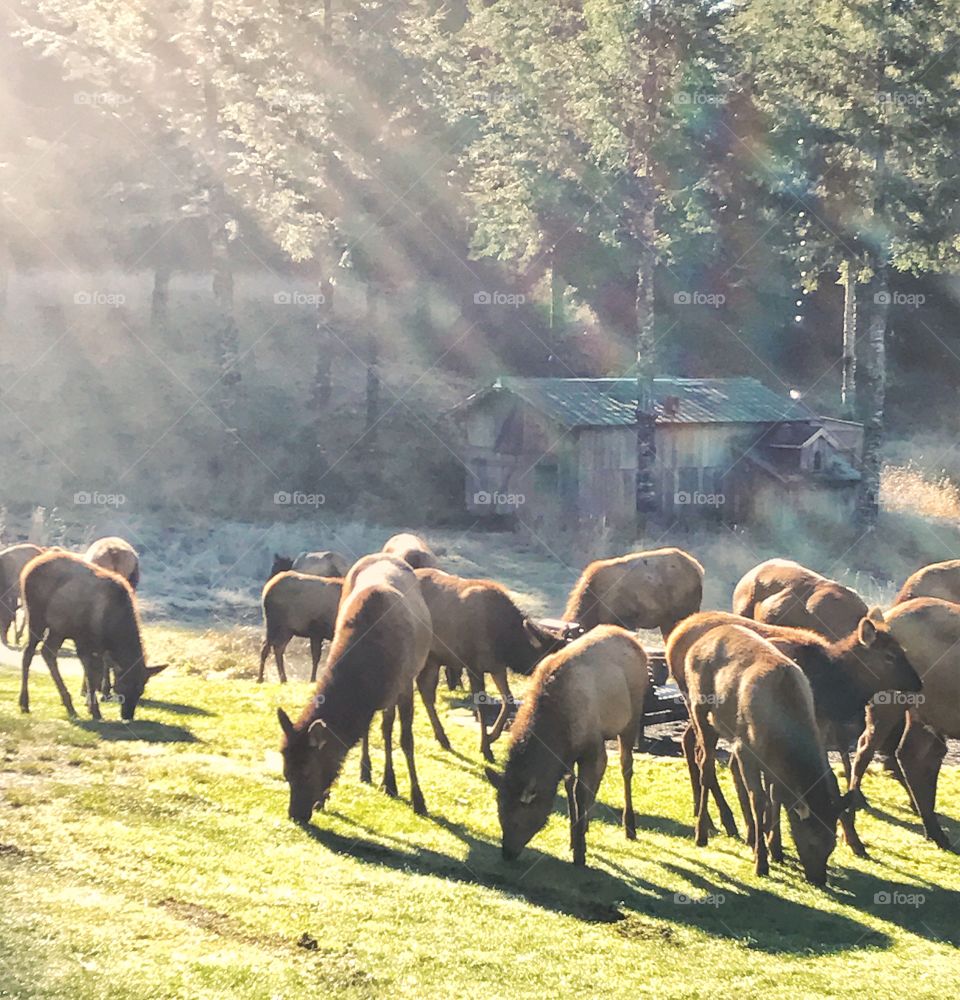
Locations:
(563, 450)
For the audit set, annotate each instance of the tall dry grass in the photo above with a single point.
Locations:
(910, 490)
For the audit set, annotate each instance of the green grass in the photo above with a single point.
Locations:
(155, 860)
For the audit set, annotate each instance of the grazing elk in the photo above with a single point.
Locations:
(380, 645)
(928, 629)
(477, 627)
(741, 687)
(412, 549)
(581, 696)
(280, 565)
(323, 563)
(118, 555)
(298, 604)
(782, 592)
(68, 598)
(653, 589)
(843, 675)
(12, 560)
(940, 579)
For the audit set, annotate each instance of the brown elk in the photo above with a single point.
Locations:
(742, 688)
(782, 592)
(298, 604)
(12, 560)
(581, 696)
(412, 549)
(477, 627)
(653, 589)
(380, 645)
(843, 675)
(118, 555)
(940, 580)
(928, 629)
(68, 598)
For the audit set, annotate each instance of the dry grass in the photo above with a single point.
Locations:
(911, 490)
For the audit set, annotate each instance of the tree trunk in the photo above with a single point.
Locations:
(647, 501)
(871, 391)
(160, 300)
(227, 339)
(322, 388)
(373, 362)
(557, 286)
(848, 387)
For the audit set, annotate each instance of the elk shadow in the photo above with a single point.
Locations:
(137, 731)
(175, 708)
(762, 919)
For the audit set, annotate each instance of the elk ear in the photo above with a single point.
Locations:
(318, 733)
(875, 614)
(528, 794)
(867, 632)
(801, 809)
(285, 724)
(153, 671)
(494, 777)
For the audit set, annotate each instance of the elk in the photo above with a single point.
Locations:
(412, 549)
(298, 604)
(588, 692)
(68, 598)
(12, 560)
(380, 645)
(742, 688)
(653, 589)
(477, 627)
(118, 555)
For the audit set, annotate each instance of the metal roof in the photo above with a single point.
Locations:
(611, 402)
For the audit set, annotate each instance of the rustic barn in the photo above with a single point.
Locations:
(563, 450)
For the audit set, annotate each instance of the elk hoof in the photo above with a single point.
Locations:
(419, 806)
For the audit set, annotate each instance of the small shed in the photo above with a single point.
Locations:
(730, 449)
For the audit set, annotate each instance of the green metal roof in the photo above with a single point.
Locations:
(611, 402)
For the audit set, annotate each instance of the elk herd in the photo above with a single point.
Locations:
(799, 667)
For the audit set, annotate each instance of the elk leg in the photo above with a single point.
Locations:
(920, 755)
(264, 652)
(427, 681)
(879, 724)
(848, 823)
(279, 647)
(49, 653)
(706, 742)
(405, 707)
(366, 772)
(689, 743)
(758, 802)
(18, 627)
(92, 682)
(570, 783)
(626, 769)
(506, 699)
(31, 647)
(774, 833)
(389, 778)
(736, 772)
(479, 700)
(589, 775)
(106, 690)
(316, 648)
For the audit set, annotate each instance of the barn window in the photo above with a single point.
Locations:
(546, 479)
(713, 480)
(688, 483)
(817, 460)
(510, 439)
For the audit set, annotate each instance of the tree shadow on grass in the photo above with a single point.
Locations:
(140, 730)
(759, 918)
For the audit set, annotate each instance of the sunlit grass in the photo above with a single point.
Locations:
(155, 860)
(909, 489)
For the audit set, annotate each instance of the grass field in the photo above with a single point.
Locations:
(155, 860)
